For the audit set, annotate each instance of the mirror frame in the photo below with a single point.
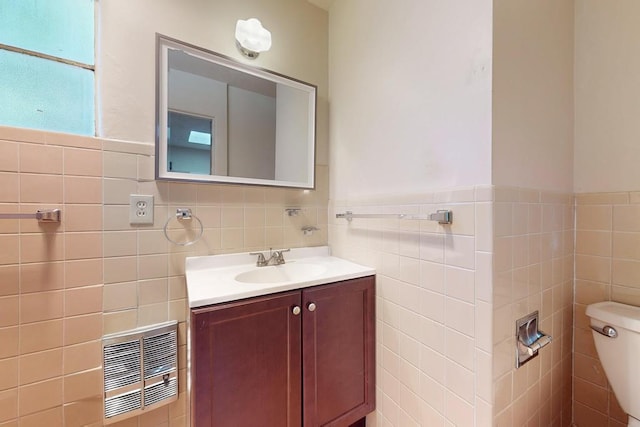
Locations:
(163, 44)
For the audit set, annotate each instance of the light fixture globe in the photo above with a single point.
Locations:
(252, 38)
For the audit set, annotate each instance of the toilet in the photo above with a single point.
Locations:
(616, 332)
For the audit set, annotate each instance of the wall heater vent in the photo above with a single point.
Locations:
(140, 370)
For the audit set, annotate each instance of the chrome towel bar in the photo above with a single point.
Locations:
(44, 215)
(442, 216)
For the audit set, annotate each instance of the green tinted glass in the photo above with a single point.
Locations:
(61, 28)
(43, 94)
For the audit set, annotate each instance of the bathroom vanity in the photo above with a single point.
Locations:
(295, 350)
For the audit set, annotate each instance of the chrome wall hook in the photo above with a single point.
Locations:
(308, 230)
(293, 211)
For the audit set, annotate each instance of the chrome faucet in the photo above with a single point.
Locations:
(261, 262)
(275, 257)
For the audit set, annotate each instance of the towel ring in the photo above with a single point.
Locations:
(184, 214)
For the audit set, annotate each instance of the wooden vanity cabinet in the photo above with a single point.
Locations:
(261, 362)
(338, 352)
(246, 363)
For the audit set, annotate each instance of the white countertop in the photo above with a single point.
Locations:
(212, 279)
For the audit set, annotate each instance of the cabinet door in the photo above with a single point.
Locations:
(246, 363)
(338, 350)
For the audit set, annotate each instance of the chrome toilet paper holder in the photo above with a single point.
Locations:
(529, 339)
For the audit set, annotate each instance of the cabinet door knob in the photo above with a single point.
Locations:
(295, 310)
(311, 306)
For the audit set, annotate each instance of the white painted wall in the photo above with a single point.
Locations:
(607, 126)
(410, 95)
(533, 94)
(126, 53)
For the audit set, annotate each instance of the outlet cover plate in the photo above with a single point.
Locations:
(140, 209)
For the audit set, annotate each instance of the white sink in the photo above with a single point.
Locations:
(221, 278)
(291, 272)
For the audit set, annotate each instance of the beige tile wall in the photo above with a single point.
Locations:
(50, 306)
(62, 286)
(434, 311)
(607, 268)
(433, 367)
(533, 270)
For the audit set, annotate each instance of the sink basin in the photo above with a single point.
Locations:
(221, 278)
(292, 272)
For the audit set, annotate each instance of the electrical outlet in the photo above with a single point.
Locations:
(140, 209)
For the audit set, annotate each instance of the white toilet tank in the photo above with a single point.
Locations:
(620, 354)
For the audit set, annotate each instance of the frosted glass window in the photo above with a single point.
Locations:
(61, 28)
(43, 94)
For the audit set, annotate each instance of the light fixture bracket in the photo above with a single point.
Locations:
(246, 52)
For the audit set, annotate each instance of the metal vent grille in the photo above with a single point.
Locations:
(160, 354)
(140, 370)
(122, 404)
(121, 364)
(160, 391)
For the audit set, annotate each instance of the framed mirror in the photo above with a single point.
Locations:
(222, 121)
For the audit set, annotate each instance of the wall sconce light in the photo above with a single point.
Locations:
(252, 38)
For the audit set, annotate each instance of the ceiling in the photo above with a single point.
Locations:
(324, 4)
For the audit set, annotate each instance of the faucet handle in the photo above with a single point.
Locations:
(261, 262)
(279, 257)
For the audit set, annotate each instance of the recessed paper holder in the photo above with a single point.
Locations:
(529, 339)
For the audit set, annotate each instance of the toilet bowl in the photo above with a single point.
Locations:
(616, 333)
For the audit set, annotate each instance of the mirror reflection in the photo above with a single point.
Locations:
(223, 121)
(189, 143)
